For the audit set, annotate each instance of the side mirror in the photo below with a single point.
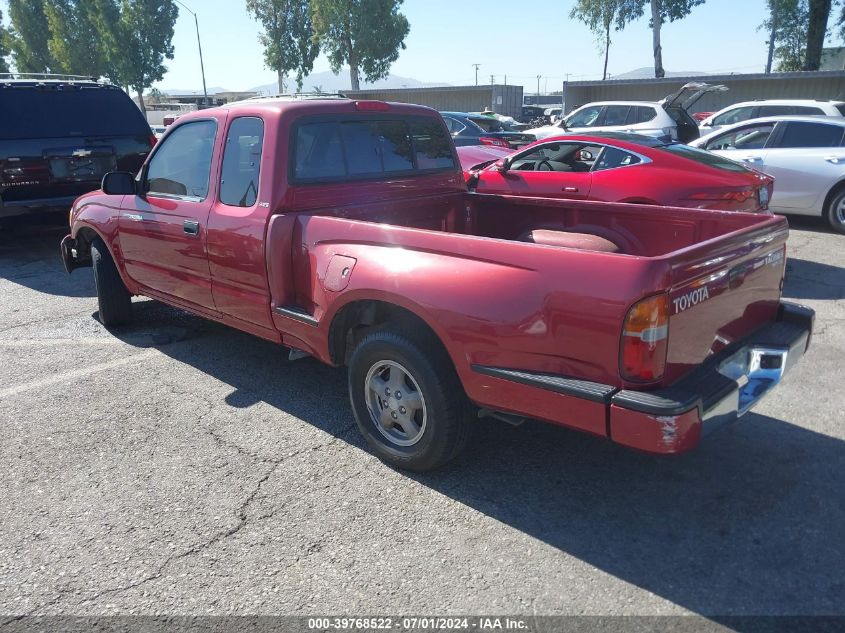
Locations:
(502, 165)
(119, 183)
(586, 155)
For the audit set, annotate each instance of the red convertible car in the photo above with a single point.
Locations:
(616, 167)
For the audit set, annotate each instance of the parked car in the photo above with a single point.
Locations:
(531, 113)
(59, 135)
(343, 229)
(618, 167)
(806, 156)
(667, 120)
(470, 129)
(747, 110)
(552, 114)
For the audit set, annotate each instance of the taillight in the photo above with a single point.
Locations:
(153, 140)
(645, 336)
(495, 142)
(737, 195)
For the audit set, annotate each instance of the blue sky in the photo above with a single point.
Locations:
(520, 40)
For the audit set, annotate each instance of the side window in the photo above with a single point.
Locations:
(616, 115)
(432, 147)
(799, 134)
(737, 115)
(776, 110)
(562, 157)
(613, 157)
(751, 137)
(454, 126)
(586, 117)
(807, 110)
(181, 165)
(242, 162)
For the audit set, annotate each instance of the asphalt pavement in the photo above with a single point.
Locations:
(179, 467)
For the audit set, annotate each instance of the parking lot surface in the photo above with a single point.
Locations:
(176, 466)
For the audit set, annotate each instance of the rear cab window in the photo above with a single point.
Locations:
(349, 149)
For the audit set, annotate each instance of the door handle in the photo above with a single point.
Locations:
(836, 160)
(191, 227)
(570, 189)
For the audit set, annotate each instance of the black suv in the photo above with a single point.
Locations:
(59, 135)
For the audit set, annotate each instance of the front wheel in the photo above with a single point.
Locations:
(407, 400)
(836, 211)
(114, 300)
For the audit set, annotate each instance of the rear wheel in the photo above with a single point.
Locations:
(408, 400)
(836, 210)
(114, 300)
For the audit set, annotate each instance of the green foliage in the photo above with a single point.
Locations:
(28, 36)
(288, 37)
(73, 38)
(787, 24)
(139, 41)
(4, 52)
(365, 34)
(601, 15)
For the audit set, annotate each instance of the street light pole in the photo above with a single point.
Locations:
(199, 46)
(476, 73)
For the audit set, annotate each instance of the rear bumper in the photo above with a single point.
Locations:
(40, 205)
(668, 420)
(723, 388)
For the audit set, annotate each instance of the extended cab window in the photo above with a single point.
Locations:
(799, 134)
(338, 150)
(242, 162)
(182, 163)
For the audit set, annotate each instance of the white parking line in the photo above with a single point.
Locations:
(76, 373)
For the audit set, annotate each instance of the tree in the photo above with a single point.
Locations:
(4, 52)
(787, 27)
(366, 34)
(662, 11)
(74, 41)
(600, 16)
(28, 36)
(288, 37)
(818, 15)
(138, 41)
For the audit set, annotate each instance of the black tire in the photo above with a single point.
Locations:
(835, 210)
(448, 424)
(114, 300)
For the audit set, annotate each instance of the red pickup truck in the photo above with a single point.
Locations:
(344, 230)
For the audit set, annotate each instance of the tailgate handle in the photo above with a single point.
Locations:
(191, 227)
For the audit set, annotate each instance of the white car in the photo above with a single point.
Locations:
(667, 119)
(747, 110)
(805, 154)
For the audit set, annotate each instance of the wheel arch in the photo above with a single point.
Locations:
(833, 191)
(353, 320)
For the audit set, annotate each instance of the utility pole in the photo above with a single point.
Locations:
(492, 80)
(199, 45)
(539, 77)
(563, 96)
(476, 73)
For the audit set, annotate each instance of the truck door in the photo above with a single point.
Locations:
(163, 232)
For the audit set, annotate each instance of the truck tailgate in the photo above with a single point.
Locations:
(722, 290)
